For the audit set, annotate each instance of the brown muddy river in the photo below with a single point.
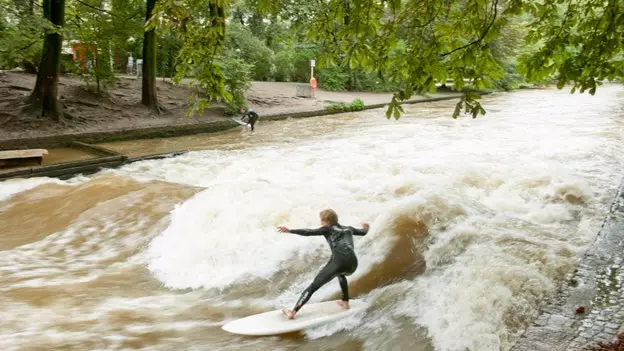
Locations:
(473, 224)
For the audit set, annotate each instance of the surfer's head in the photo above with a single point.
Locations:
(328, 217)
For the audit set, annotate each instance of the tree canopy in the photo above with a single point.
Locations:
(403, 46)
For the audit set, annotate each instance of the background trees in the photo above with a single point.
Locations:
(406, 47)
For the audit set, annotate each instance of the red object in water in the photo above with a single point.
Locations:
(580, 309)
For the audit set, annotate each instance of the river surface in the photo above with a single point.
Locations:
(474, 223)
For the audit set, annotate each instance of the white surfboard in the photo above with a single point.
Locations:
(244, 124)
(275, 322)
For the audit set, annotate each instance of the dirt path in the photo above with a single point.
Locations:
(121, 108)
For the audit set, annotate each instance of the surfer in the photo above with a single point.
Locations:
(343, 261)
(251, 116)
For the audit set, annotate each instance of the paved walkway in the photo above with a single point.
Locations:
(596, 285)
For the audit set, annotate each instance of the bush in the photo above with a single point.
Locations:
(301, 64)
(370, 81)
(241, 43)
(284, 67)
(169, 46)
(337, 79)
(356, 105)
(512, 80)
(333, 78)
(21, 43)
(98, 75)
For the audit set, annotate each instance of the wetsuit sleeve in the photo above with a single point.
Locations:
(310, 232)
(360, 232)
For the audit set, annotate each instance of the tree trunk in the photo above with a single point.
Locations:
(148, 96)
(45, 94)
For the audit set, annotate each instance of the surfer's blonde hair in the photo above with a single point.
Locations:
(329, 216)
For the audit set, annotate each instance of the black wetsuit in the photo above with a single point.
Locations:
(343, 261)
(252, 117)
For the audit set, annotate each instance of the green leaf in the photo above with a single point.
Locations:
(397, 114)
(457, 108)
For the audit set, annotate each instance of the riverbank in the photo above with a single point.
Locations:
(589, 308)
(120, 116)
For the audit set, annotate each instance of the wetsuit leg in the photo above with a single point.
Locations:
(344, 286)
(325, 275)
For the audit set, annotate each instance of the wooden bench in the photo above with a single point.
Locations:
(21, 158)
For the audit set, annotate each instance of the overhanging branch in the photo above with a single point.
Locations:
(476, 41)
(96, 8)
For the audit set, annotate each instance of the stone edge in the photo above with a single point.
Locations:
(558, 326)
(112, 159)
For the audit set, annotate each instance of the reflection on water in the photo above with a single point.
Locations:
(473, 224)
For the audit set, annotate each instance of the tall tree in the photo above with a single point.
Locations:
(148, 96)
(44, 98)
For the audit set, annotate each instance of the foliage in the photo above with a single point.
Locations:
(93, 31)
(169, 46)
(581, 42)
(465, 41)
(201, 26)
(333, 78)
(240, 42)
(443, 40)
(21, 35)
(128, 19)
(341, 79)
(356, 105)
(237, 75)
(392, 45)
(512, 79)
(371, 81)
(101, 32)
(505, 49)
(301, 62)
(284, 65)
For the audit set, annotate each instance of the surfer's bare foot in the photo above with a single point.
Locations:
(289, 313)
(343, 304)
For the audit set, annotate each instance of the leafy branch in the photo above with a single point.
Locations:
(22, 49)
(478, 40)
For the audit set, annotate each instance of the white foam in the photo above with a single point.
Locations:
(492, 192)
(11, 187)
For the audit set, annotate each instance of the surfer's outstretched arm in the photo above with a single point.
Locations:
(361, 232)
(305, 232)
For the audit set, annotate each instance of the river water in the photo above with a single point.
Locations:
(474, 223)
